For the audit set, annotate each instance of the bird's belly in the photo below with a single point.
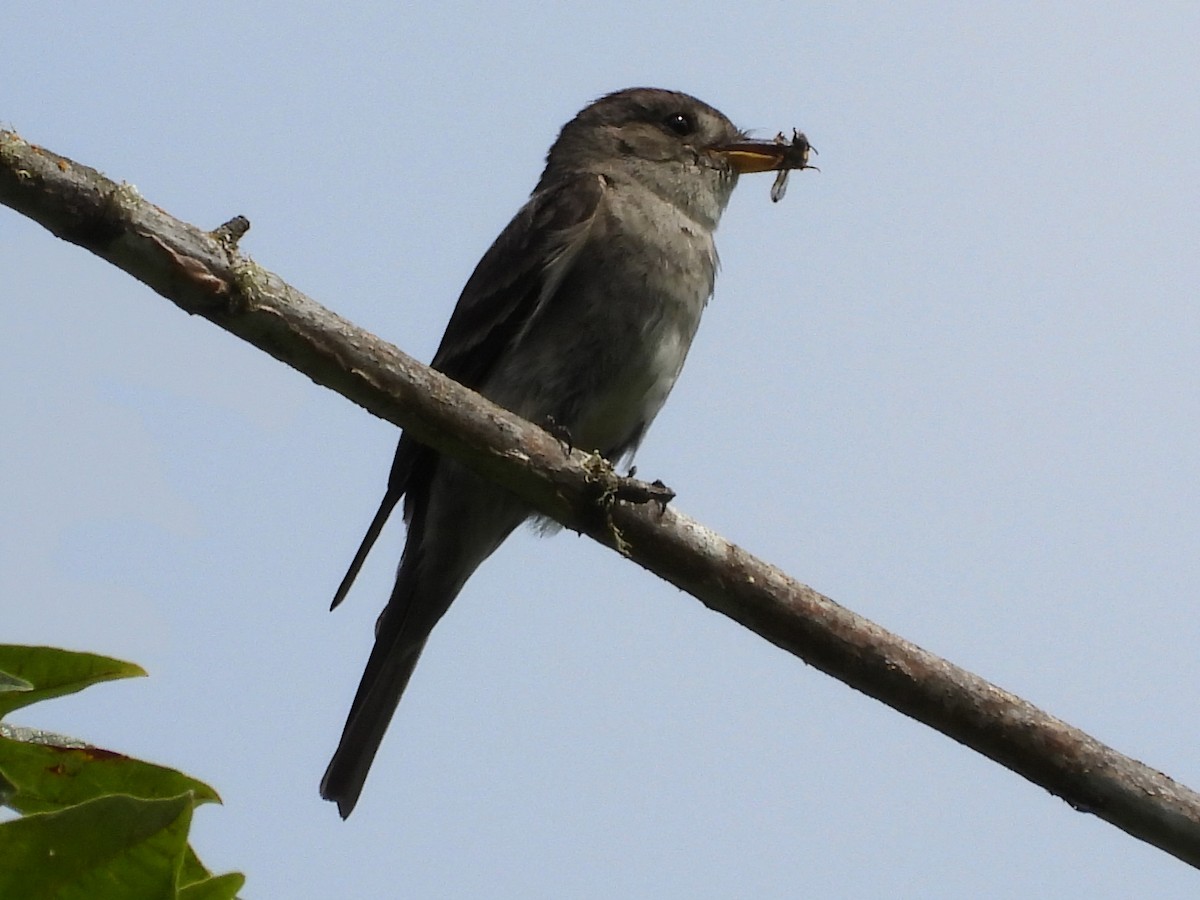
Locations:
(624, 404)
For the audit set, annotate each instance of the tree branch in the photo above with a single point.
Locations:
(204, 274)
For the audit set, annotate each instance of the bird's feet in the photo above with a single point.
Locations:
(560, 433)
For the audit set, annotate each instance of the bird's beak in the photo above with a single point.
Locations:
(768, 156)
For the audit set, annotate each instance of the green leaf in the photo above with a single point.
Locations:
(117, 847)
(220, 887)
(51, 672)
(192, 869)
(7, 789)
(48, 777)
(12, 683)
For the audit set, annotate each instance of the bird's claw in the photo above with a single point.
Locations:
(560, 433)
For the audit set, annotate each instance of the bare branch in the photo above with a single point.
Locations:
(203, 274)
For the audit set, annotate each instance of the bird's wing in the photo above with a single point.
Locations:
(516, 278)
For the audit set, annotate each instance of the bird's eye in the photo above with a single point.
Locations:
(680, 123)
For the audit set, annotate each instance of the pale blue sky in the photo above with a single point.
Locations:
(951, 381)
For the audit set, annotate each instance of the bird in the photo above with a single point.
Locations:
(580, 314)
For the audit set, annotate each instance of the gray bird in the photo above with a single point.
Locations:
(582, 313)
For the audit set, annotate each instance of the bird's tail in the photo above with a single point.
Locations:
(439, 555)
(379, 692)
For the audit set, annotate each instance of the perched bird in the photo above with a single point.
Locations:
(582, 313)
